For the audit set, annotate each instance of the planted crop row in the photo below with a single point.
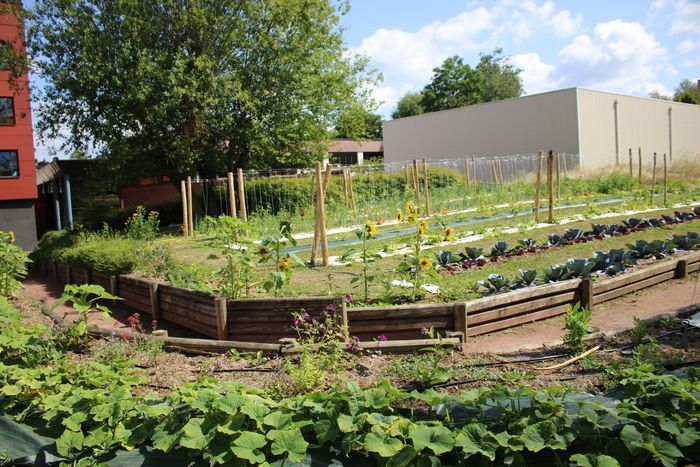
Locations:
(93, 412)
(615, 261)
(453, 262)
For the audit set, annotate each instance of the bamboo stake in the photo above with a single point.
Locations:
(416, 185)
(317, 228)
(352, 191)
(550, 186)
(327, 178)
(639, 178)
(653, 178)
(500, 171)
(426, 185)
(318, 235)
(241, 196)
(231, 195)
(565, 169)
(185, 210)
(537, 185)
(631, 172)
(665, 182)
(404, 170)
(466, 173)
(558, 181)
(190, 216)
(494, 171)
(346, 198)
(322, 215)
(474, 173)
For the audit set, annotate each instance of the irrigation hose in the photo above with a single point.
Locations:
(569, 361)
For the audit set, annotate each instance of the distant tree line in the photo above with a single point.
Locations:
(456, 84)
(686, 91)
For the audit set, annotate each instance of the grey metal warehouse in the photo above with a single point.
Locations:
(599, 126)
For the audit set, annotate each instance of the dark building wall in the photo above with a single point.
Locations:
(18, 216)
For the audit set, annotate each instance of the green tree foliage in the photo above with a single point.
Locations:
(456, 84)
(409, 104)
(359, 124)
(687, 92)
(170, 86)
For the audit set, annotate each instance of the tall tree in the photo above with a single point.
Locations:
(408, 105)
(454, 84)
(176, 85)
(359, 124)
(501, 78)
(687, 92)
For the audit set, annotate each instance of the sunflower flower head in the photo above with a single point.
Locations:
(370, 229)
(424, 263)
(449, 233)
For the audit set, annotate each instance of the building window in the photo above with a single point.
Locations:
(5, 55)
(7, 111)
(9, 164)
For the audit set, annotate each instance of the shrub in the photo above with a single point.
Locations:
(577, 323)
(13, 264)
(142, 225)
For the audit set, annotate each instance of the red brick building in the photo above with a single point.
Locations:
(17, 165)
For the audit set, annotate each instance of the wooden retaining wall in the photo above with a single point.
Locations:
(268, 320)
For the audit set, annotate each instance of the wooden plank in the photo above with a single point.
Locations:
(648, 282)
(208, 319)
(460, 319)
(681, 268)
(634, 276)
(400, 312)
(200, 328)
(586, 293)
(281, 303)
(204, 297)
(517, 320)
(130, 297)
(382, 326)
(155, 306)
(194, 306)
(487, 303)
(523, 307)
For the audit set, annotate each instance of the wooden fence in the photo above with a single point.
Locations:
(267, 320)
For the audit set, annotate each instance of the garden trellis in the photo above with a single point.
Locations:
(354, 194)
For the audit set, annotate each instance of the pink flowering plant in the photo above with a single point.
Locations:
(323, 358)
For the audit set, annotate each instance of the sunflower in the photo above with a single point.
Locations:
(422, 228)
(399, 217)
(425, 263)
(284, 263)
(371, 229)
(449, 233)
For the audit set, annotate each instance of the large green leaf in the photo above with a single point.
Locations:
(541, 435)
(436, 438)
(289, 443)
(247, 446)
(378, 441)
(476, 439)
(593, 460)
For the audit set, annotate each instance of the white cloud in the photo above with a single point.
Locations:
(688, 46)
(618, 56)
(522, 19)
(687, 18)
(537, 76)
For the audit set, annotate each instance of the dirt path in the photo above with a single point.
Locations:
(608, 318)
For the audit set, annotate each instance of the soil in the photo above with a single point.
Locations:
(486, 360)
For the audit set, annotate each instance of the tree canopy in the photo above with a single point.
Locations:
(359, 124)
(456, 84)
(169, 86)
(686, 92)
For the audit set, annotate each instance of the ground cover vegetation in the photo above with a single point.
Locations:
(89, 412)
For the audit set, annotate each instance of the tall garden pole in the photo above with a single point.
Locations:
(665, 182)
(466, 173)
(352, 190)
(631, 172)
(538, 179)
(241, 196)
(653, 178)
(190, 216)
(474, 173)
(494, 172)
(321, 215)
(185, 210)
(639, 177)
(231, 195)
(346, 198)
(558, 180)
(426, 185)
(564, 161)
(416, 185)
(500, 171)
(550, 186)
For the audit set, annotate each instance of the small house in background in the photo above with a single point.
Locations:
(348, 152)
(17, 165)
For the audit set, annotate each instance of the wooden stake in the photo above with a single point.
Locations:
(190, 216)
(538, 179)
(221, 309)
(494, 172)
(241, 196)
(346, 198)
(550, 186)
(185, 211)
(322, 216)
(475, 176)
(404, 170)
(352, 191)
(416, 185)
(231, 195)
(564, 160)
(631, 173)
(653, 178)
(558, 181)
(639, 178)
(426, 185)
(500, 171)
(155, 300)
(466, 173)
(665, 183)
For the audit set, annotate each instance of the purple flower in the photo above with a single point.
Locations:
(331, 308)
(322, 316)
(383, 338)
(306, 317)
(298, 322)
(348, 298)
(321, 329)
(353, 345)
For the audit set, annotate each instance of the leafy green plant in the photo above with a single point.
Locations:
(366, 233)
(526, 277)
(84, 299)
(495, 283)
(13, 264)
(142, 225)
(577, 323)
(271, 249)
(640, 331)
(432, 371)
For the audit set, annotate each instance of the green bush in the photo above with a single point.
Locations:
(13, 264)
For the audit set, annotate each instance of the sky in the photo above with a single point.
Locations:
(631, 47)
(628, 46)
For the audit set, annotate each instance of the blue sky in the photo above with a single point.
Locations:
(633, 47)
(627, 46)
